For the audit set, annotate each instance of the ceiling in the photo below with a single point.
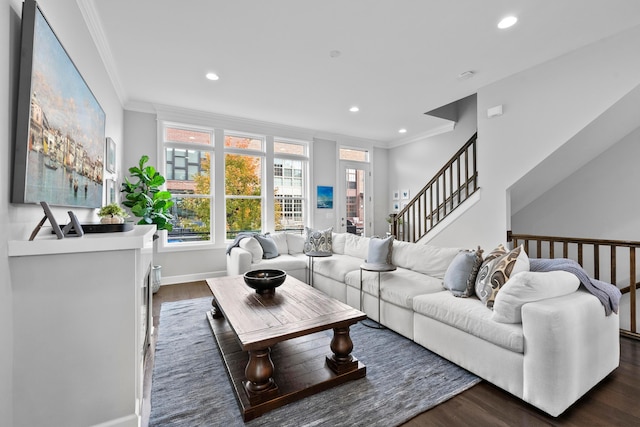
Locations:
(397, 59)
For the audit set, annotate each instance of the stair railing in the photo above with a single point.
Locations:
(451, 185)
(592, 255)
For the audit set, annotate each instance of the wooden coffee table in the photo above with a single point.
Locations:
(247, 326)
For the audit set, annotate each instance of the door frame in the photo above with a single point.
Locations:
(341, 225)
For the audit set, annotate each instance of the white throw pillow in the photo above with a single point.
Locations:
(280, 239)
(295, 242)
(529, 286)
(253, 246)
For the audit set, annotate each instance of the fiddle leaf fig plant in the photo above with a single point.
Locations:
(144, 197)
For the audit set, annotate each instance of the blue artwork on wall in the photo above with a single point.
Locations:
(325, 197)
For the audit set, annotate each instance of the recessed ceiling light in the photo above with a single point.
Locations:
(465, 75)
(403, 130)
(212, 76)
(354, 109)
(507, 22)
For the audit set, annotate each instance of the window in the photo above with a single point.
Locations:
(187, 154)
(244, 156)
(253, 200)
(289, 171)
(354, 154)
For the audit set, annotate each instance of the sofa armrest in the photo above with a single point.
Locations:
(569, 346)
(238, 261)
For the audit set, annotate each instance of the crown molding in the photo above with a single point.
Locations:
(94, 25)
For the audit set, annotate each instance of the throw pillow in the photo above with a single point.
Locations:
(494, 274)
(269, 248)
(529, 286)
(251, 245)
(460, 277)
(380, 251)
(317, 241)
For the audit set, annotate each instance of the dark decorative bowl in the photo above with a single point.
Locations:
(265, 281)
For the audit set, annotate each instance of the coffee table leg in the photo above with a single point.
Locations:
(341, 345)
(216, 313)
(259, 373)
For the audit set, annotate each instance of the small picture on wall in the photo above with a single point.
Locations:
(396, 206)
(396, 195)
(325, 197)
(110, 185)
(405, 194)
(111, 156)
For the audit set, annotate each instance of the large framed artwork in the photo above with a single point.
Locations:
(60, 126)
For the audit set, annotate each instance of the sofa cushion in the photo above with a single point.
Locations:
(529, 286)
(495, 273)
(398, 287)
(470, 315)
(318, 241)
(356, 246)
(280, 239)
(269, 248)
(339, 240)
(336, 266)
(295, 243)
(284, 262)
(251, 245)
(460, 277)
(426, 259)
(379, 251)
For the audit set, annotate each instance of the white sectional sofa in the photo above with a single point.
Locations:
(562, 348)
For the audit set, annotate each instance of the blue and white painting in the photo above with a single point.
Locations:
(325, 197)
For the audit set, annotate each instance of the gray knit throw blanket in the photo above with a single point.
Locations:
(608, 294)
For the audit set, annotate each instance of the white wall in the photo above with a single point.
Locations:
(324, 172)
(17, 221)
(544, 107)
(598, 201)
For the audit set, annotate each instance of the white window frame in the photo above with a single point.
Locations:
(163, 242)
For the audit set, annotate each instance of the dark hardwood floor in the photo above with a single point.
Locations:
(613, 402)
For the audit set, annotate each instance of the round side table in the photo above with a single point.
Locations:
(377, 268)
(312, 256)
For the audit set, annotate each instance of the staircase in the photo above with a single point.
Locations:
(451, 185)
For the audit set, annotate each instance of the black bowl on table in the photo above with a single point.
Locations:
(265, 281)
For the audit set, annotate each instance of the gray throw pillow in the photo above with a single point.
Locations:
(380, 250)
(269, 247)
(460, 277)
(318, 241)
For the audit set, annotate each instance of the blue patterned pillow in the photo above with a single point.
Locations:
(317, 241)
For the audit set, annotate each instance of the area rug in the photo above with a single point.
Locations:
(191, 388)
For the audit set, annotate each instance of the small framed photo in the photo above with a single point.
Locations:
(405, 194)
(110, 190)
(396, 195)
(396, 206)
(110, 163)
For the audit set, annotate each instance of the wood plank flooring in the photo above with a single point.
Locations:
(613, 402)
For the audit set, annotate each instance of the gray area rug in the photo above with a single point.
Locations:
(191, 387)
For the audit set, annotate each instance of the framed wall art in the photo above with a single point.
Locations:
(60, 126)
(324, 197)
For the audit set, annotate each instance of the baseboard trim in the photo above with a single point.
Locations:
(132, 420)
(173, 280)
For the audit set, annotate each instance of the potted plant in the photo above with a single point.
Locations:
(144, 197)
(112, 214)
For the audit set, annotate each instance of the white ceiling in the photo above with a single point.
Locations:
(398, 59)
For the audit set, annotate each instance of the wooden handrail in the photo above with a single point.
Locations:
(578, 249)
(450, 186)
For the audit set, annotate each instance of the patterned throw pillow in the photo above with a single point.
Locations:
(460, 277)
(317, 241)
(495, 273)
(380, 251)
